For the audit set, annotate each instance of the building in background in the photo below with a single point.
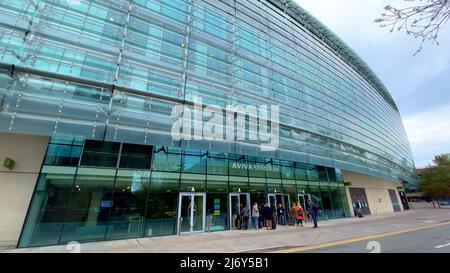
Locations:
(86, 94)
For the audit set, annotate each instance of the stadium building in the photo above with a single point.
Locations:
(87, 94)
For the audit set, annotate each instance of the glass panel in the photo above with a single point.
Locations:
(161, 214)
(100, 154)
(134, 181)
(238, 168)
(189, 181)
(165, 182)
(338, 206)
(257, 185)
(239, 184)
(313, 174)
(218, 166)
(322, 171)
(194, 164)
(332, 176)
(315, 197)
(215, 183)
(126, 219)
(273, 171)
(87, 216)
(256, 169)
(274, 185)
(185, 213)
(300, 174)
(167, 162)
(54, 178)
(217, 211)
(327, 207)
(287, 173)
(45, 219)
(62, 155)
(136, 156)
(273, 202)
(89, 179)
(234, 206)
(344, 201)
(198, 216)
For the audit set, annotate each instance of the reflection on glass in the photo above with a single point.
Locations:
(192, 182)
(185, 213)
(161, 214)
(136, 156)
(165, 182)
(54, 178)
(194, 164)
(100, 153)
(62, 155)
(87, 216)
(126, 219)
(45, 219)
(88, 179)
(198, 210)
(217, 211)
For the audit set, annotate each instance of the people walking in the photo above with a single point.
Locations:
(281, 215)
(255, 216)
(245, 213)
(313, 211)
(268, 216)
(300, 215)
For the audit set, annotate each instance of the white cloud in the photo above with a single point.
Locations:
(390, 55)
(429, 134)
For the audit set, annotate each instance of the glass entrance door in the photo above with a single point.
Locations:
(304, 200)
(192, 212)
(274, 199)
(236, 199)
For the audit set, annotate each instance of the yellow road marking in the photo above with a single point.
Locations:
(359, 239)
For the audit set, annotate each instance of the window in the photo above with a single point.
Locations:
(100, 154)
(136, 156)
(194, 164)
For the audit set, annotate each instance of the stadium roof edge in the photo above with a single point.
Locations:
(307, 20)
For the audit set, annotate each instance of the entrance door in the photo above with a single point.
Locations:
(394, 200)
(236, 199)
(358, 195)
(277, 198)
(303, 199)
(404, 200)
(192, 212)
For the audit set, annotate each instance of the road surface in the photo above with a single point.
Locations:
(431, 239)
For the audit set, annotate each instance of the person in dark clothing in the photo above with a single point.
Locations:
(313, 211)
(268, 216)
(281, 215)
(358, 209)
(245, 214)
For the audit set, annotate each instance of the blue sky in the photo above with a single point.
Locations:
(419, 84)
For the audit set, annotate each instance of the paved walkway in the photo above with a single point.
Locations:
(264, 240)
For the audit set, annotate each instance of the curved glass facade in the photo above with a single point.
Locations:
(113, 70)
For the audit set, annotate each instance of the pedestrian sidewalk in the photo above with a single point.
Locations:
(263, 240)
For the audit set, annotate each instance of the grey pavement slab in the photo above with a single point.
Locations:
(262, 240)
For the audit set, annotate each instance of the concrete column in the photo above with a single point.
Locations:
(94, 207)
